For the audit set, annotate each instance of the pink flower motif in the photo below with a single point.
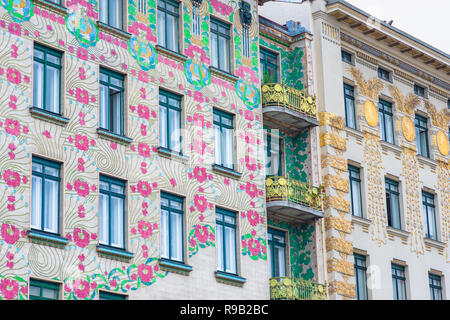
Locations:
(193, 50)
(81, 187)
(144, 150)
(11, 155)
(144, 188)
(201, 233)
(200, 174)
(143, 76)
(82, 54)
(81, 267)
(81, 257)
(173, 182)
(250, 163)
(192, 242)
(198, 96)
(46, 134)
(14, 76)
(145, 273)
(226, 181)
(81, 237)
(113, 145)
(10, 233)
(251, 190)
(81, 288)
(199, 146)
(200, 203)
(143, 129)
(9, 289)
(12, 178)
(143, 111)
(254, 246)
(12, 127)
(9, 256)
(11, 207)
(82, 96)
(81, 142)
(12, 147)
(145, 229)
(252, 217)
(81, 211)
(113, 283)
(199, 120)
(14, 28)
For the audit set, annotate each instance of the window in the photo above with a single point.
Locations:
(429, 215)
(45, 202)
(226, 241)
(355, 190)
(56, 1)
(111, 296)
(419, 90)
(220, 45)
(269, 66)
(112, 212)
(172, 234)
(111, 12)
(223, 139)
(111, 101)
(142, 6)
(435, 286)
(399, 282)
(273, 155)
(346, 57)
(421, 124)
(168, 24)
(170, 121)
(393, 203)
(43, 290)
(386, 122)
(361, 277)
(47, 79)
(384, 74)
(277, 252)
(349, 95)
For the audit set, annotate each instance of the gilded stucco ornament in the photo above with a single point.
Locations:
(442, 143)
(371, 113)
(408, 129)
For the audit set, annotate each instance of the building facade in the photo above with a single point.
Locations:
(383, 127)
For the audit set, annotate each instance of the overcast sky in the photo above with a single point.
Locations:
(428, 20)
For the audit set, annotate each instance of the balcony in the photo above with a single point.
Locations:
(296, 289)
(288, 108)
(293, 200)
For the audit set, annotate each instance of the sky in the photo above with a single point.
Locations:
(428, 20)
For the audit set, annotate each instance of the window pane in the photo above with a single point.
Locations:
(35, 291)
(103, 10)
(117, 217)
(223, 54)
(104, 212)
(214, 53)
(395, 211)
(163, 127)
(38, 85)
(116, 111)
(175, 130)
(49, 293)
(219, 245)
(280, 261)
(228, 148)
(217, 145)
(389, 130)
(230, 243)
(356, 198)
(165, 234)
(350, 108)
(161, 28)
(176, 233)
(172, 42)
(36, 204)
(103, 107)
(115, 13)
(51, 201)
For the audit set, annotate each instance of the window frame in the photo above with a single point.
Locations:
(351, 98)
(168, 107)
(382, 72)
(121, 13)
(271, 246)
(418, 126)
(268, 153)
(229, 116)
(399, 279)
(362, 258)
(345, 53)
(234, 215)
(177, 23)
(44, 284)
(354, 169)
(122, 183)
(417, 91)
(111, 296)
(228, 38)
(383, 111)
(390, 184)
(264, 62)
(47, 50)
(432, 278)
(429, 196)
(110, 73)
(56, 165)
(171, 197)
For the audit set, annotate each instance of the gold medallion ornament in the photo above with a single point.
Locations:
(371, 113)
(442, 143)
(408, 129)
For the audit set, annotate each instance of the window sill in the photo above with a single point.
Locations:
(223, 74)
(114, 137)
(230, 279)
(114, 253)
(169, 154)
(56, 8)
(387, 146)
(397, 232)
(113, 31)
(48, 116)
(358, 135)
(172, 54)
(174, 267)
(426, 161)
(434, 243)
(361, 221)
(226, 171)
(47, 239)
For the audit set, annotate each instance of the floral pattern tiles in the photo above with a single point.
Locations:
(84, 154)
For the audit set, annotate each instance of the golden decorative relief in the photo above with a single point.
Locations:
(334, 162)
(336, 203)
(338, 224)
(407, 105)
(442, 143)
(333, 140)
(342, 288)
(340, 266)
(408, 129)
(439, 119)
(369, 88)
(336, 182)
(371, 113)
(331, 119)
(340, 245)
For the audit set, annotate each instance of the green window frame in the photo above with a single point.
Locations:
(386, 121)
(276, 239)
(355, 190)
(349, 101)
(360, 267)
(399, 282)
(168, 24)
(419, 90)
(46, 180)
(170, 135)
(112, 190)
(346, 56)
(393, 203)
(226, 256)
(58, 2)
(384, 74)
(172, 227)
(47, 62)
(421, 124)
(111, 110)
(435, 282)
(269, 65)
(429, 213)
(44, 290)
(111, 12)
(268, 148)
(103, 295)
(224, 138)
(220, 39)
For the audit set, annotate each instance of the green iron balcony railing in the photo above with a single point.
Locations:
(296, 289)
(286, 189)
(275, 94)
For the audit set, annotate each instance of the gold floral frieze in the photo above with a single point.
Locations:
(339, 224)
(333, 140)
(341, 266)
(332, 120)
(406, 105)
(340, 245)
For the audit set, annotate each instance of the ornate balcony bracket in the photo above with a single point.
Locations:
(296, 289)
